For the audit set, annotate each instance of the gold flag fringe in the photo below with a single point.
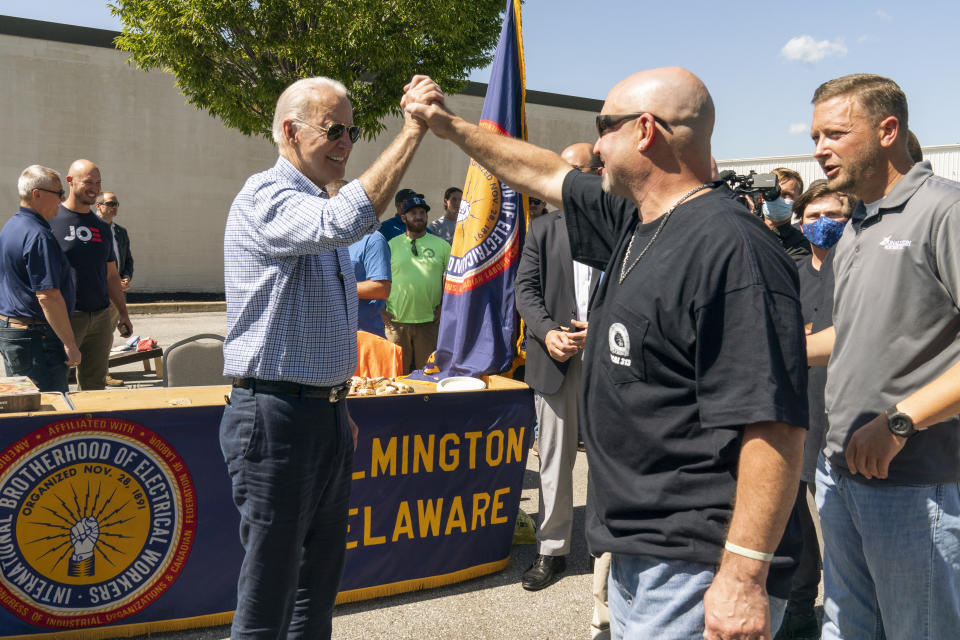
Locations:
(130, 630)
(405, 586)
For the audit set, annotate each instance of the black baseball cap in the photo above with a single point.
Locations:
(406, 194)
(416, 201)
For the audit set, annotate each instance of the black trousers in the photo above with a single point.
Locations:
(806, 579)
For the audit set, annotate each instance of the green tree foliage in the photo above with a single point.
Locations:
(235, 57)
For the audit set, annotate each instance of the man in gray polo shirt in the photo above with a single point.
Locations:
(887, 484)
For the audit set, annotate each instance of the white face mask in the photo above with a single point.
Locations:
(778, 210)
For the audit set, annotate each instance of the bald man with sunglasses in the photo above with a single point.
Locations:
(694, 373)
(291, 347)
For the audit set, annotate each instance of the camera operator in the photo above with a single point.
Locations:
(770, 196)
(790, 183)
(777, 213)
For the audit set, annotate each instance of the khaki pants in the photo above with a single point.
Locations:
(601, 613)
(417, 339)
(94, 334)
(114, 315)
(557, 415)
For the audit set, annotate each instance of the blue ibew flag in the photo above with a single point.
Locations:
(478, 324)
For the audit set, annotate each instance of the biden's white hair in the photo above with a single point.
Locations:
(296, 101)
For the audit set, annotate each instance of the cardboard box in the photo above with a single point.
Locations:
(17, 393)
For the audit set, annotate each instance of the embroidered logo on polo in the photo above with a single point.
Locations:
(890, 244)
(619, 341)
(97, 519)
(84, 234)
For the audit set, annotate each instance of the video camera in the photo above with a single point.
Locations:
(764, 184)
(747, 187)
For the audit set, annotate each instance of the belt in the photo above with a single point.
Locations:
(22, 323)
(333, 394)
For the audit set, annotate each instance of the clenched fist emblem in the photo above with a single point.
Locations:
(83, 537)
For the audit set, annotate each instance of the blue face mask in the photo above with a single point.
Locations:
(778, 210)
(824, 232)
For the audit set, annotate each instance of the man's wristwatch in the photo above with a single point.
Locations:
(899, 423)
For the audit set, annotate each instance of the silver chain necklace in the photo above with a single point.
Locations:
(624, 269)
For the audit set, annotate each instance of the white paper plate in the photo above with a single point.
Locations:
(461, 383)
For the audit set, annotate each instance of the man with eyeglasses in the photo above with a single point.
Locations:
(291, 347)
(36, 287)
(88, 243)
(108, 206)
(418, 261)
(694, 375)
(537, 208)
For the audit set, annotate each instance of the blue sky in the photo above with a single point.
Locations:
(760, 61)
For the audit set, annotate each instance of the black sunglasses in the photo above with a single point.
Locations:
(413, 247)
(336, 130)
(60, 193)
(110, 203)
(609, 121)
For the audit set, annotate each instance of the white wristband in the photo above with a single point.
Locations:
(747, 553)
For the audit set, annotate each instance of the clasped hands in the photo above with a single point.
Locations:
(423, 105)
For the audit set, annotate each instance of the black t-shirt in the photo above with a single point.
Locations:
(793, 241)
(703, 337)
(88, 243)
(816, 295)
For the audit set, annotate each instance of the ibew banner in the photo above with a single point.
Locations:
(127, 518)
(118, 518)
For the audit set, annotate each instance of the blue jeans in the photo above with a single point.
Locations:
(290, 461)
(663, 599)
(36, 353)
(891, 558)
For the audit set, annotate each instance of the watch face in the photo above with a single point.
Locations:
(901, 425)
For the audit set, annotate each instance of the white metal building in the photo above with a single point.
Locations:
(945, 160)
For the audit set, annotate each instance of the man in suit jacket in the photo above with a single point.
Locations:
(552, 293)
(108, 206)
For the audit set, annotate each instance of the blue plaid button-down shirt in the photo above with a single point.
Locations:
(290, 287)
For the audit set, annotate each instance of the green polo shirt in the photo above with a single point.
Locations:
(417, 287)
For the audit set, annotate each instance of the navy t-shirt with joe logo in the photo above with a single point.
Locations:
(703, 337)
(86, 240)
